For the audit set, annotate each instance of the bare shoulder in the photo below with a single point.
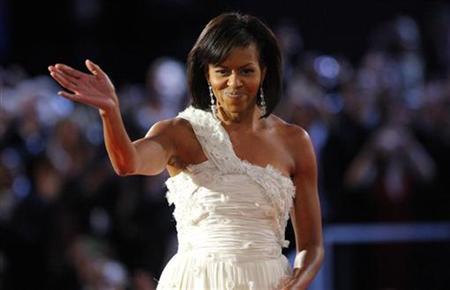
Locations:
(175, 127)
(298, 144)
(179, 134)
(290, 134)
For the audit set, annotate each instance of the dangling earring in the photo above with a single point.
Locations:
(263, 102)
(213, 101)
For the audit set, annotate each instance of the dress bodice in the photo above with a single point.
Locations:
(225, 206)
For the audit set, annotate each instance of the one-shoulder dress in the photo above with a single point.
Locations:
(231, 217)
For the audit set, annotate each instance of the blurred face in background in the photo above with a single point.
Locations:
(236, 81)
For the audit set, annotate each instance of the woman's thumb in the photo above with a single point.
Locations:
(92, 67)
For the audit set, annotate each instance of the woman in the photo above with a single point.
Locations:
(236, 169)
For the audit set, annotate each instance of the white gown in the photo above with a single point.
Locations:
(231, 217)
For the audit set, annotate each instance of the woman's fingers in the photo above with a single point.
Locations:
(294, 282)
(290, 281)
(94, 68)
(84, 99)
(80, 98)
(63, 81)
(72, 97)
(68, 76)
(286, 285)
(70, 71)
(90, 89)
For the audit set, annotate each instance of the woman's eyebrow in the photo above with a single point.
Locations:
(248, 64)
(224, 66)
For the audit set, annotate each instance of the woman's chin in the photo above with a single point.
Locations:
(237, 101)
(235, 108)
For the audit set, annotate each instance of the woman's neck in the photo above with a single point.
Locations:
(246, 120)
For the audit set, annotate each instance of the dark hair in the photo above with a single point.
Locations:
(218, 38)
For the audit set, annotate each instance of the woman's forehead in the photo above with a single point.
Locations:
(241, 55)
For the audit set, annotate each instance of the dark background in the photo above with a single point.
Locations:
(51, 236)
(125, 36)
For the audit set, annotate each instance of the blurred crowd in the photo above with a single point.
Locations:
(380, 128)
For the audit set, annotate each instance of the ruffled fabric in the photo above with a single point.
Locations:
(218, 148)
(231, 217)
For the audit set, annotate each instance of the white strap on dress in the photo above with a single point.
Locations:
(217, 146)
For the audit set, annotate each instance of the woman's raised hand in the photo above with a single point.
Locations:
(94, 89)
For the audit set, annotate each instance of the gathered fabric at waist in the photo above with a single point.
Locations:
(235, 237)
(228, 242)
(227, 220)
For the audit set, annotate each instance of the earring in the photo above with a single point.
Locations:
(263, 102)
(213, 101)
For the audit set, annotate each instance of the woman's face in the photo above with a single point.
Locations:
(236, 81)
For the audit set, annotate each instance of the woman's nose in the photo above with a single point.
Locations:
(234, 80)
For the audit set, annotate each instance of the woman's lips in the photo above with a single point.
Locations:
(234, 96)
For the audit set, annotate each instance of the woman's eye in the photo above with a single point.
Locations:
(221, 72)
(247, 71)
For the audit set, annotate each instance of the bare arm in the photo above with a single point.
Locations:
(146, 156)
(306, 216)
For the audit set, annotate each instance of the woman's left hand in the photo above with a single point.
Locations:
(294, 282)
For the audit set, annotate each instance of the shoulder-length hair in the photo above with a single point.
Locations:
(218, 38)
